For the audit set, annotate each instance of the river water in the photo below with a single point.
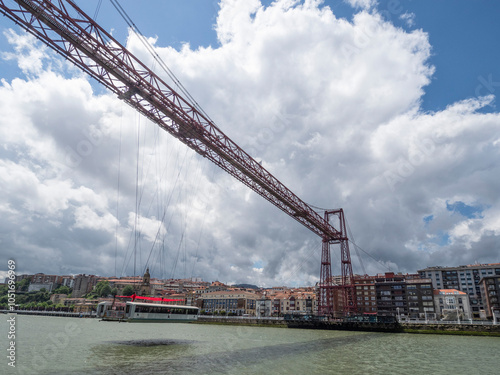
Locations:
(55, 345)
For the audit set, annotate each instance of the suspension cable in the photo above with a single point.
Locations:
(157, 57)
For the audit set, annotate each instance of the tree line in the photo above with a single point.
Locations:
(40, 300)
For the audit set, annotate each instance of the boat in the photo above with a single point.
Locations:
(111, 311)
(156, 312)
(132, 311)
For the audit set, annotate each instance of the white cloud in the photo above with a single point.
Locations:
(29, 59)
(151, 228)
(470, 231)
(331, 107)
(409, 18)
(86, 218)
(366, 4)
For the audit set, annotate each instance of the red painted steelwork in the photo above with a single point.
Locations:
(325, 300)
(74, 35)
(134, 297)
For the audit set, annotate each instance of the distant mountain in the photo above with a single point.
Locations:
(245, 286)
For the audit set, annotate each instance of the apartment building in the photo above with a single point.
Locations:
(232, 301)
(404, 295)
(464, 278)
(41, 281)
(490, 290)
(83, 284)
(366, 294)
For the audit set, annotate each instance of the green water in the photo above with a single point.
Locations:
(51, 345)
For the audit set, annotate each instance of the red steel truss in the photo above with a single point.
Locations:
(64, 27)
(326, 285)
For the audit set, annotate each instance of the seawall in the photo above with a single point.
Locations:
(251, 321)
(452, 329)
(422, 328)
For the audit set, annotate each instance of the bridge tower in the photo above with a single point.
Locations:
(69, 31)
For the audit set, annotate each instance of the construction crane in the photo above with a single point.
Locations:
(64, 27)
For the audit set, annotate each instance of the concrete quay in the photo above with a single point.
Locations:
(446, 328)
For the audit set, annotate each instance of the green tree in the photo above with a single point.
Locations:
(102, 289)
(114, 291)
(63, 290)
(105, 291)
(128, 290)
(23, 285)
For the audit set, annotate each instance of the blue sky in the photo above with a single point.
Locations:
(380, 108)
(464, 36)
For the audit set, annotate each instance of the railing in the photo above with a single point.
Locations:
(466, 321)
(52, 313)
(241, 317)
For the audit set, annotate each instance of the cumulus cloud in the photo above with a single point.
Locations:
(409, 18)
(366, 4)
(331, 107)
(30, 60)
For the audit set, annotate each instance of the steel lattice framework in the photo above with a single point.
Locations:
(326, 285)
(64, 27)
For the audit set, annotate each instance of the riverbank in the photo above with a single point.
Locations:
(452, 329)
(242, 321)
(465, 329)
(51, 313)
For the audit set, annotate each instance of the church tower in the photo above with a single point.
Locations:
(145, 289)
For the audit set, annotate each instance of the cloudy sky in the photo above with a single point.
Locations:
(387, 109)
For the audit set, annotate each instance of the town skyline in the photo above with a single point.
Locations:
(368, 106)
(431, 293)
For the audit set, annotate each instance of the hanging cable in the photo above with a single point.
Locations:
(351, 237)
(371, 256)
(318, 209)
(157, 57)
(118, 188)
(97, 9)
(137, 199)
